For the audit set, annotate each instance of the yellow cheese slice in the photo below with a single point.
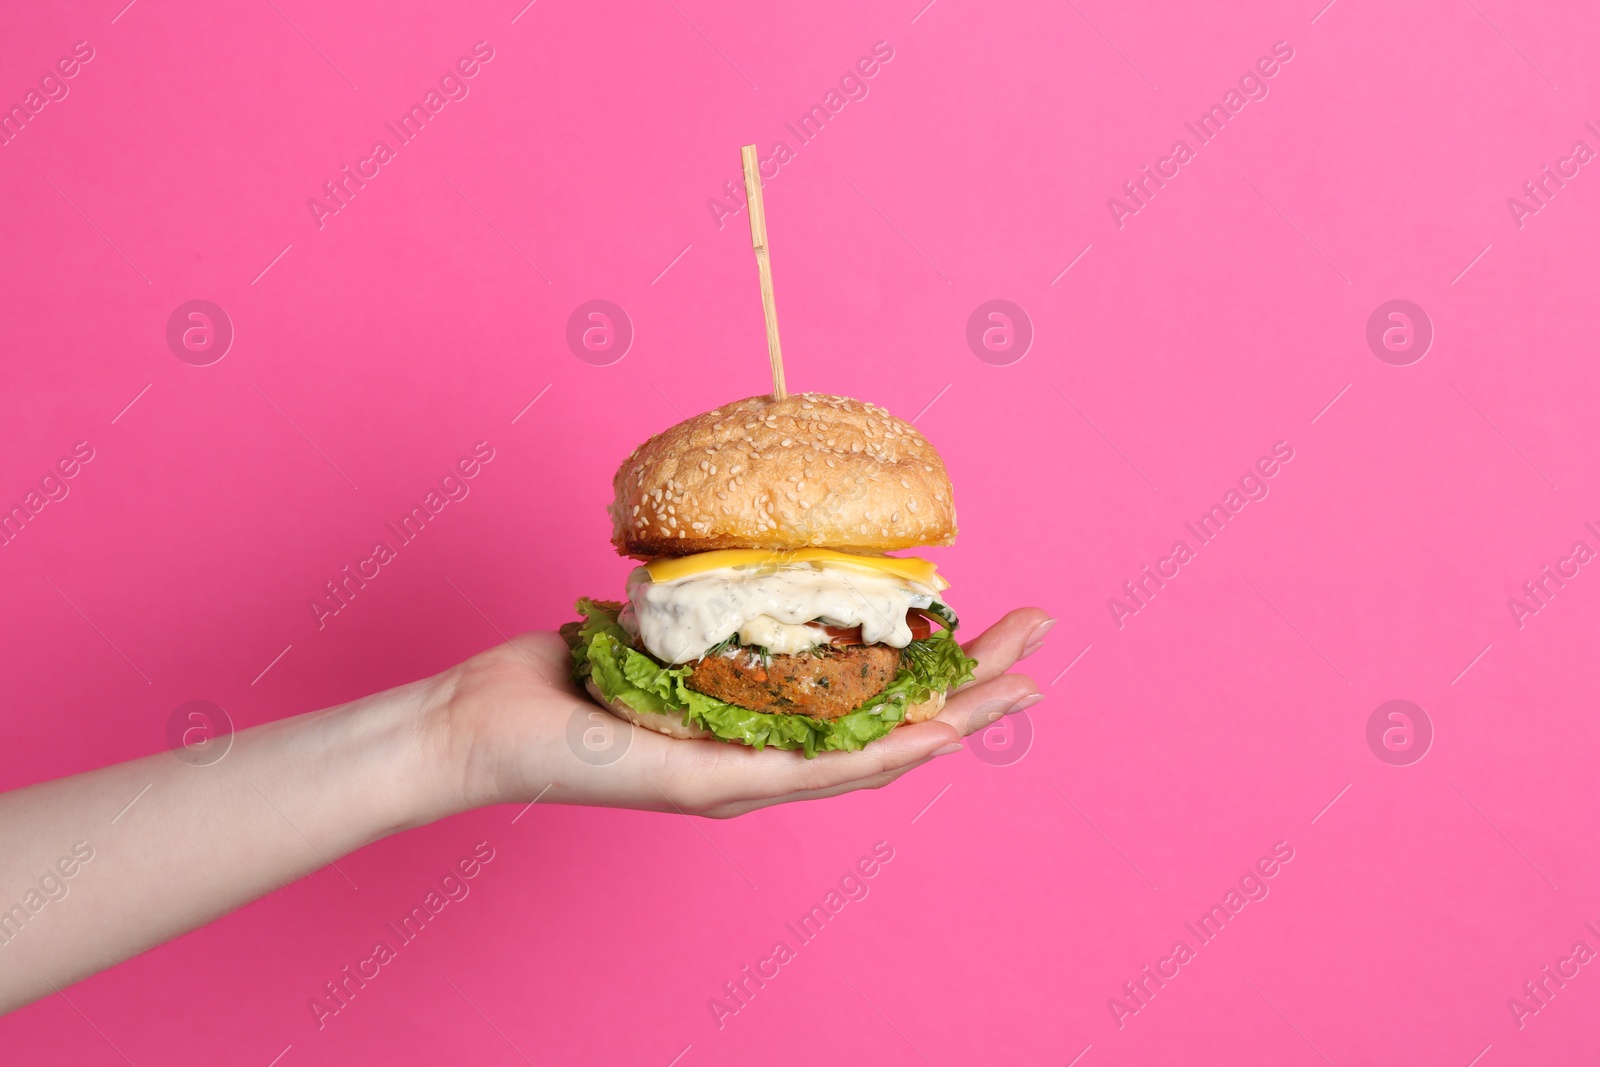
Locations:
(910, 567)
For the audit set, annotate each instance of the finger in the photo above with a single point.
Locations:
(991, 694)
(976, 706)
(720, 773)
(1015, 636)
(876, 781)
(969, 711)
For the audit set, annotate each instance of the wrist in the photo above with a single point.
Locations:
(407, 772)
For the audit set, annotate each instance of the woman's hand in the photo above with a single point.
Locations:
(176, 842)
(503, 719)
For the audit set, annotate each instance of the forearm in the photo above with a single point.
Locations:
(288, 798)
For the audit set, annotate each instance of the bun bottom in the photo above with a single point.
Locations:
(672, 725)
(661, 722)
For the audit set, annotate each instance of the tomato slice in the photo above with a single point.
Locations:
(919, 622)
(841, 635)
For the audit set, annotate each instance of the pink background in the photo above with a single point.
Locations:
(1224, 316)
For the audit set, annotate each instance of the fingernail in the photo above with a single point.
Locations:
(1036, 638)
(1026, 702)
(949, 750)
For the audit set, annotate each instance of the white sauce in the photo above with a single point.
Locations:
(770, 606)
(781, 638)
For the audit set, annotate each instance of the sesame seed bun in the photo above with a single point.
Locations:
(809, 470)
(671, 723)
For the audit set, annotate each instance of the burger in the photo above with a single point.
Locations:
(767, 609)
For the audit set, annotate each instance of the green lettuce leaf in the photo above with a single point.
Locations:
(602, 651)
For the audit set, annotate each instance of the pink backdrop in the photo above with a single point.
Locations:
(1174, 338)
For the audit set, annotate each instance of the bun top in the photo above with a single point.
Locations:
(810, 470)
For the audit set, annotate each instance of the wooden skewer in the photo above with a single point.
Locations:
(758, 239)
